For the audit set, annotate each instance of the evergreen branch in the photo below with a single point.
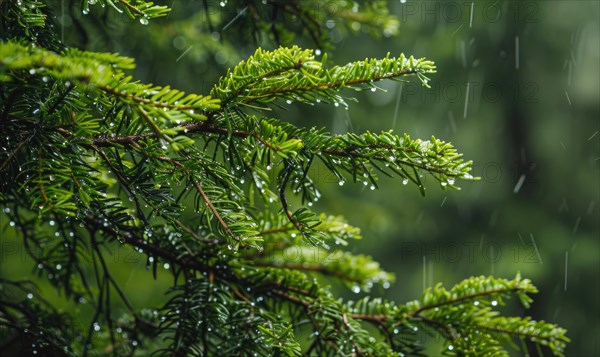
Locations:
(526, 328)
(155, 103)
(80, 67)
(471, 289)
(434, 156)
(321, 87)
(294, 74)
(462, 299)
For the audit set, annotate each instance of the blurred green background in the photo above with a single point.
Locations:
(517, 91)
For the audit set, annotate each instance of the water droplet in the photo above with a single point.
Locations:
(494, 302)
(144, 21)
(30, 296)
(405, 181)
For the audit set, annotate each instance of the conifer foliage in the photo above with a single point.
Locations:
(217, 190)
